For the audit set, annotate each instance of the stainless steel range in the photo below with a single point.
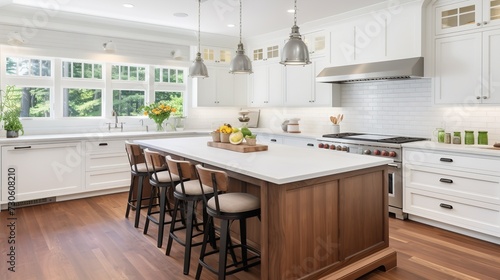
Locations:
(375, 145)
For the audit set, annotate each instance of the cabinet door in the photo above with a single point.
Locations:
(342, 44)
(491, 12)
(464, 15)
(216, 55)
(299, 85)
(300, 142)
(491, 67)
(206, 89)
(260, 87)
(323, 92)
(275, 80)
(224, 87)
(458, 69)
(404, 31)
(369, 39)
(43, 170)
(317, 43)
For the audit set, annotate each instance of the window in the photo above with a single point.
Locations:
(128, 102)
(81, 70)
(169, 75)
(128, 73)
(174, 98)
(32, 67)
(80, 102)
(35, 102)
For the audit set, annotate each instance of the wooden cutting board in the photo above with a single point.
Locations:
(242, 148)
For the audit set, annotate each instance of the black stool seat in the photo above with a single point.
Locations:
(161, 182)
(138, 172)
(188, 192)
(227, 207)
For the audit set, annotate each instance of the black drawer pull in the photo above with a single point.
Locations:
(447, 206)
(443, 180)
(446, 159)
(310, 145)
(103, 144)
(24, 147)
(273, 140)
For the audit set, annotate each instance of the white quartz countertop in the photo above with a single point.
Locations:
(280, 164)
(96, 136)
(487, 150)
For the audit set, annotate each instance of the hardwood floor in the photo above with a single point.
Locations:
(91, 239)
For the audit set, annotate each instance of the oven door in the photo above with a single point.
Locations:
(395, 188)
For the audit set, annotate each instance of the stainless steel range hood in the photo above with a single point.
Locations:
(409, 68)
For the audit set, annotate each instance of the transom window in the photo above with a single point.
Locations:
(128, 73)
(169, 75)
(33, 67)
(81, 70)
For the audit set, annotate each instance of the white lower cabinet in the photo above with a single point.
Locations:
(42, 170)
(456, 189)
(107, 165)
(300, 142)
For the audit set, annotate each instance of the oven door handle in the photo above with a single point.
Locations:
(397, 165)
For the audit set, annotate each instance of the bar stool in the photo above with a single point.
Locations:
(227, 207)
(161, 181)
(189, 192)
(139, 171)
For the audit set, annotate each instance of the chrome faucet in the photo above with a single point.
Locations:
(115, 114)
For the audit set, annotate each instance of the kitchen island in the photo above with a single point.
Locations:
(322, 212)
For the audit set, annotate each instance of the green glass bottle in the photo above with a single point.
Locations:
(469, 137)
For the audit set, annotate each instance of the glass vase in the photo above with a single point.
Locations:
(160, 127)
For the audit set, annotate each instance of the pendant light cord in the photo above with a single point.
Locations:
(199, 25)
(295, 14)
(240, 22)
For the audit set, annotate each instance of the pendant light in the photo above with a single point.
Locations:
(295, 51)
(198, 69)
(240, 64)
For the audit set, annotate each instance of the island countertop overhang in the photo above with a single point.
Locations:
(280, 164)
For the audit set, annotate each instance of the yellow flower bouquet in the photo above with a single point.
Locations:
(158, 112)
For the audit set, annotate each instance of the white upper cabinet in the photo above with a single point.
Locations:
(390, 33)
(458, 69)
(466, 15)
(220, 89)
(466, 67)
(302, 88)
(358, 40)
(214, 55)
(491, 67)
(318, 43)
(270, 52)
(267, 85)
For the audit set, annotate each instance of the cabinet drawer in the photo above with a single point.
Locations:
(107, 160)
(469, 163)
(481, 217)
(106, 179)
(457, 183)
(105, 146)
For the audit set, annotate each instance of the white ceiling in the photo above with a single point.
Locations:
(259, 16)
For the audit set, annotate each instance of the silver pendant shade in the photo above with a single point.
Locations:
(240, 64)
(198, 69)
(295, 51)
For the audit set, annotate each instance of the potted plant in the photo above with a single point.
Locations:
(12, 123)
(10, 111)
